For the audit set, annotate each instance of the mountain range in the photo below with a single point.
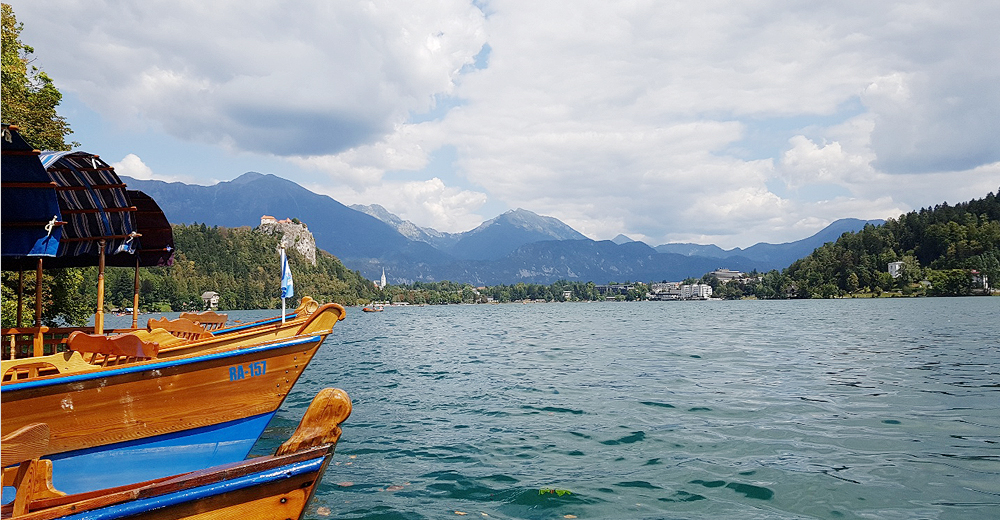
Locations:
(517, 246)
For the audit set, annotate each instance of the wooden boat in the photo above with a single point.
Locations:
(178, 337)
(277, 486)
(167, 399)
(164, 414)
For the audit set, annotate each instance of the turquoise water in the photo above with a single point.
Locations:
(747, 409)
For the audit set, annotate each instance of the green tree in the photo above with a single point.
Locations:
(29, 97)
(950, 282)
(852, 282)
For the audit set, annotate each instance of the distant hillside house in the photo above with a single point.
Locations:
(725, 275)
(268, 219)
(895, 269)
(980, 280)
(612, 290)
(211, 299)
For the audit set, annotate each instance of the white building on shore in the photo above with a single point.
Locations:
(698, 291)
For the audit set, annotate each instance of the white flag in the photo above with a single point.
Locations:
(287, 287)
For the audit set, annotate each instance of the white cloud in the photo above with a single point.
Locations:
(133, 166)
(429, 203)
(316, 78)
(808, 163)
(643, 118)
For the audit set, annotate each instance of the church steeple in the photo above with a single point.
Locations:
(383, 279)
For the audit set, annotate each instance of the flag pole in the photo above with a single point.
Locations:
(287, 287)
(284, 261)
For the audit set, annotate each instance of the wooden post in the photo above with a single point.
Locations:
(39, 346)
(20, 298)
(135, 296)
(99, 315)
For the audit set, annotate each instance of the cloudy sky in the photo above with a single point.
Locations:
(711, 122)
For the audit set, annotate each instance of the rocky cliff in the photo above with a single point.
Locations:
(295, 236)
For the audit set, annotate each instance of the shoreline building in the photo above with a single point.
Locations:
(725, 275)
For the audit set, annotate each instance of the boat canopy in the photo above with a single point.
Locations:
(61, 205)
(29, 209)
(156, 245)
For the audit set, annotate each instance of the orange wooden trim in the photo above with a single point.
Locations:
(26, 330)
(321, 423)
(29, 442)
(211, 320)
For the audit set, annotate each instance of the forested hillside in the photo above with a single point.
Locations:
(241, 264)
(941, 245)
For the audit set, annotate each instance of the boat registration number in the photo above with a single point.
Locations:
(238, 372)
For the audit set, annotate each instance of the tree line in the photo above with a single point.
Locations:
(447, 292)
(240, 264)
(939, 247)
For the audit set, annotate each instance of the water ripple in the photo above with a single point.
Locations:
(805, 409)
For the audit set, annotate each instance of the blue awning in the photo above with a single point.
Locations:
(29, 208)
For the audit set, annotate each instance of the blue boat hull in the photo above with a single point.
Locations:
(179, 503)
(155, 457)
(149, 420)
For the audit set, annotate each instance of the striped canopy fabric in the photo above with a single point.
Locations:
(156, 241)
(93, 203)
(59, 206)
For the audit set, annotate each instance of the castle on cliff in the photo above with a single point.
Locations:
(294, 235)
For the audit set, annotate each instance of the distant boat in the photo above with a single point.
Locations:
(374, 307)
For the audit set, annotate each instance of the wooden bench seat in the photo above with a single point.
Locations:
(112, 350)
(180, 327)
(210, 320)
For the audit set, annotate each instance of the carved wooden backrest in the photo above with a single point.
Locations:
(211, 320)
(105, 349)
(180, 327)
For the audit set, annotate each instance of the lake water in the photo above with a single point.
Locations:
(746, 409)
